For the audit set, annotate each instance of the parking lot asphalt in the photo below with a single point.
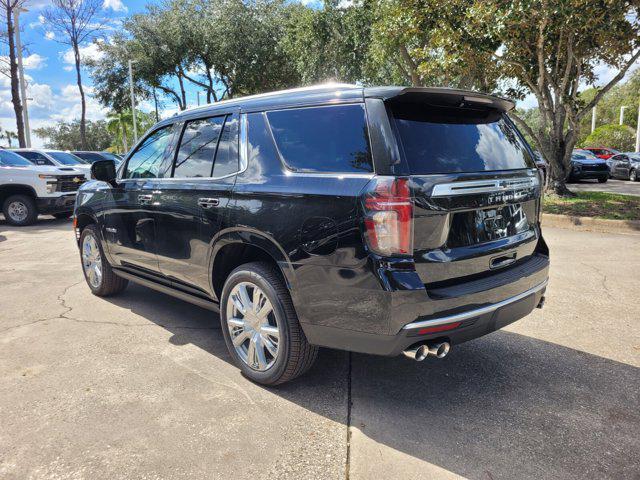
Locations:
(140, 385)
(613, 185)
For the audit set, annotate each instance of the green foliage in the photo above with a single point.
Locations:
(66, 135)
(620, 137)
(120, 126)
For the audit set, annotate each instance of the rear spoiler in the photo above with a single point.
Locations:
(438, 96)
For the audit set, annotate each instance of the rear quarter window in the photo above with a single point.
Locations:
(323, 139)
(449, 140)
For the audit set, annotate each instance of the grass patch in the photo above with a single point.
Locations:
(594, 204)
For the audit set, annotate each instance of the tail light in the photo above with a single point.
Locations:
(388, 220)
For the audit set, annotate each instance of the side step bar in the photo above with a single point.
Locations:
(187, 297)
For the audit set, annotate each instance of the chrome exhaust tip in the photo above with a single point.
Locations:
(420, 352)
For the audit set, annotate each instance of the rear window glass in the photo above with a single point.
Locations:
(323, 139)
(447, 140)
(198, 148)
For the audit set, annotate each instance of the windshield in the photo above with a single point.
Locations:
(111, 156)
(10, 159)
(67, 158)
(446, 140)
(90, 157)
(584, 154)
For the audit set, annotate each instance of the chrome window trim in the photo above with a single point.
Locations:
(475, 312)
(483, 186)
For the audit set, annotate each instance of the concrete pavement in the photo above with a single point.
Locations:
(140, 385)
(613, 185)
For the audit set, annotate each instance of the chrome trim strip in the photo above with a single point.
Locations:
(476, 312)
(483, 186)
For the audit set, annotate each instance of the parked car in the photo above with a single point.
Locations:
(27, 190)
(586, 167)
(382, 220)
(626, 166)
(92, 157)
(602, 152)
(54, 158)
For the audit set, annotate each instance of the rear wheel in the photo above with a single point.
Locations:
(261, 328)
(97, 271)
(20, 210)
(633, 175)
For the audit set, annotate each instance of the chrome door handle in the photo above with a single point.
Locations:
(208, 202)
(145, 199)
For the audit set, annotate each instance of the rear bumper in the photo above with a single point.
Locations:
(387, 322)
(51, 205)
(473, 324)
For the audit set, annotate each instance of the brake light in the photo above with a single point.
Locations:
(388, 217)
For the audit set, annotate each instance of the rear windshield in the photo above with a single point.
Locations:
(447, 140)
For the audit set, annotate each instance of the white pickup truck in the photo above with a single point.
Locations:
(27, 190)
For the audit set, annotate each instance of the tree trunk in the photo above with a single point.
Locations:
(83, 116)
(13, 73)
(124, 138)
(560, 162)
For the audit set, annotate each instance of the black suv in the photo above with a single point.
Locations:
(382, 220)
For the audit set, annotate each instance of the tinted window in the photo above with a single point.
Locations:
(147, 159)
(90, 157)
(198, 147)
(445, 140)
(227, 156)
(323, 139)
(36, 158)
(67, 158)
(10, 159)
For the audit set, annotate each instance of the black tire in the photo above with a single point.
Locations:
(63, 215)
(603, 180)
(295, 354)
(110, 283)
(22, 202)
(633, 175)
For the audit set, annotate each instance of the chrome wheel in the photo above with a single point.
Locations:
(92, 261)
(633, 175)
(253, 326)
(18, 211)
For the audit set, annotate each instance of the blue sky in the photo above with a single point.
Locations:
(51, 78)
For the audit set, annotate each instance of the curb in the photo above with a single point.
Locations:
(591, 224)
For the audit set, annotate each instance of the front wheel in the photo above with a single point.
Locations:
(633, 176)
(602, 180)
(261, 328)
(20, 210)
(97, 271)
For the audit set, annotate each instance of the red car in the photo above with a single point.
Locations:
(601, 152)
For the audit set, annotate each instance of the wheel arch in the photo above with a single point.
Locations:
(16, 189)
(236, 246)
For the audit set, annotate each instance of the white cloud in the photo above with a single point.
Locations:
(49, 35)
(89, 51)
(34, 62)
(115, 5)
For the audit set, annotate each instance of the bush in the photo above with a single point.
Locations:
(620, 137)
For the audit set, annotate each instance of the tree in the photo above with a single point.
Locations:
(620, 137)
(76, 23)
(9, 8)
(10, 136)
(120, 125)
(68, 136)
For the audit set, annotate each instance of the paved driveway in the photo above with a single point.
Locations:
(140, 385)
(612, 186)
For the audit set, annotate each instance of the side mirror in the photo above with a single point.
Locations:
(104, 170)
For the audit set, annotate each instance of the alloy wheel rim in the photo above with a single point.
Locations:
(92, 261)
(18, 211)
(253, 326)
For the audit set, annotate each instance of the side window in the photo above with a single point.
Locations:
(36, 158)
(147, 159)
(323, 139)
(198, 147)
(227, 156)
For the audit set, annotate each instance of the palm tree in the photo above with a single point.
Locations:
(10, 136)
(118, 123)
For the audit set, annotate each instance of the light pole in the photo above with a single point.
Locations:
(622, 114)
(133, 103)
(593, 119)
(23, 85)
(638, 131)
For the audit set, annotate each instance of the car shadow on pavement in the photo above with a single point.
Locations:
(503, 406)
(44, 224)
